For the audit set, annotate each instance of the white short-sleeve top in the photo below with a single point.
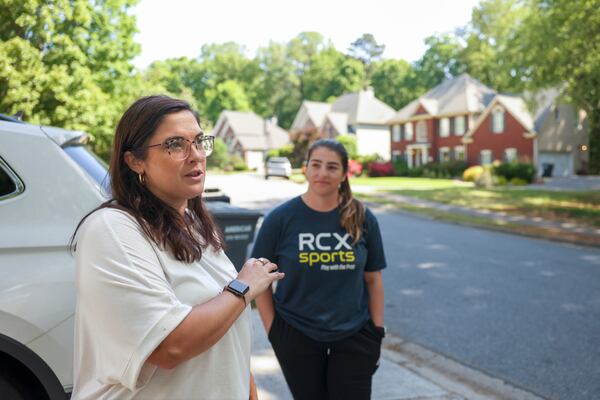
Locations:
(130, 295)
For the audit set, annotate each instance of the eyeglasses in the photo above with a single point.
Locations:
(179, 147)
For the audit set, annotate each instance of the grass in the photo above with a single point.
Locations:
(488, 223)
(575, 207)
(397, 182)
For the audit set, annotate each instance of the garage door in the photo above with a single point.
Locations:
(562, 163)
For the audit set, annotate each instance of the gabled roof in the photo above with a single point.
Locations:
(339, 121)
(459, 95)
(515, 105)
(310, 111)
(542, 103)
(363, 107)
(252, 131)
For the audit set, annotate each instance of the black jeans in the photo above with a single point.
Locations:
(326, 371)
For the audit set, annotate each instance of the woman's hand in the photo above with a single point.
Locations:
(258, 274)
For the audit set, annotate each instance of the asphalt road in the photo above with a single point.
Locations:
(522, 309)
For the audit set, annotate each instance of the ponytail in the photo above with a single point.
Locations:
(352, 213)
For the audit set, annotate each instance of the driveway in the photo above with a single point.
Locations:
(569, 183)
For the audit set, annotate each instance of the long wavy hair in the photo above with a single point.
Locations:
(185, 236)
(352, 211)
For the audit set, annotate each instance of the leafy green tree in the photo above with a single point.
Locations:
(440, 61)
(395, 82)
(228, 95)
(332, 74)
(74, 60)
(560, 42)
(493, 52)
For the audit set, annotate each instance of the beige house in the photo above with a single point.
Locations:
(250, 136)
(563, 139)
(360, 114)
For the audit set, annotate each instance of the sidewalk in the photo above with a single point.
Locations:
(406, 372)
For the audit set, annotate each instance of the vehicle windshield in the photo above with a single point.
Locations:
(94, 166)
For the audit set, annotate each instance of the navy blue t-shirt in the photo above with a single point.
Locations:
(323, 294)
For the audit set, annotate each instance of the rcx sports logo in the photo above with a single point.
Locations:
(331, 250)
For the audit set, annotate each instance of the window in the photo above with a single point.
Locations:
(498, 119)
(485, 157)
(421, 131)
(396, 155)
(408, 131)
(444, 127)
(444, 154)
(459, 125)
(510, 155)
(10, 184)
(396, 137)
(459, 153)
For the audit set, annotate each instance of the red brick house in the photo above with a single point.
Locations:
(504, 132)
(431, 128)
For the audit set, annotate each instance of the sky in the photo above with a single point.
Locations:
(178, 28)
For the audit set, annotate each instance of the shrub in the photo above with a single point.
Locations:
(401, 167)
(354, 168)
(349, 142)
(366, 160)
(238, 163)
(377, 169)
(518, 182)
(523, 171)
(501, 181)
(471, 174)
(219, 157)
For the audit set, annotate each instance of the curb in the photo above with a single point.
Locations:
(451, 375)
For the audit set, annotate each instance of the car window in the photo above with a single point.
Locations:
(10, 184)
(94, 166)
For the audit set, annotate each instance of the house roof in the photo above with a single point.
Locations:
(310, 110)
(541, 104)
(339, 121)
(363, 107)
(252, 131)
(515, 105)
(459, 95)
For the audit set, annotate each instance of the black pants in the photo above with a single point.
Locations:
(326, 371)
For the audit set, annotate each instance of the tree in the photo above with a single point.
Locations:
(228, 95)
(367, 50)
(74, 62)
(560, 42)
(332, 74)
(441, 61)
(493, 52)
(395, 82)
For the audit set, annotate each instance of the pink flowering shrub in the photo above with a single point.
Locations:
(376, 169)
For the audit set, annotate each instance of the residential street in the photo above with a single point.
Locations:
(522, 309)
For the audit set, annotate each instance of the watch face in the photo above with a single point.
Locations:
(238, 286)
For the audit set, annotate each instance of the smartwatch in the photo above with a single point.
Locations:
(382, 330)
(238, 288)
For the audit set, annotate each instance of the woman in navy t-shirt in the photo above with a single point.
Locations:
(325, 320)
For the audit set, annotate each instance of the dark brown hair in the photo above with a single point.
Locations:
(352, 212)
(160, 222)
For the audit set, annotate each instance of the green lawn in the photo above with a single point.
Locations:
(397, 182)
(577, 207)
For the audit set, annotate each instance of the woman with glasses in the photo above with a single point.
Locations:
(325, 319)
(161, 311)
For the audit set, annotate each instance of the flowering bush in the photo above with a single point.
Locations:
(376, 169)
(473, 173)
(354, 168)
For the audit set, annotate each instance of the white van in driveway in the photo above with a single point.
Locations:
(48, 182)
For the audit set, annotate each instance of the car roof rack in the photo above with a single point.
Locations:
(4, 117)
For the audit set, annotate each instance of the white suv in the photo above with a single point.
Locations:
(278, 166)
(48, 182)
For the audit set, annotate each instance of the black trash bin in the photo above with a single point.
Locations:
(238, 226)
(547, 170)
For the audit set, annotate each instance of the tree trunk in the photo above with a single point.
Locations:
(594, 134)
